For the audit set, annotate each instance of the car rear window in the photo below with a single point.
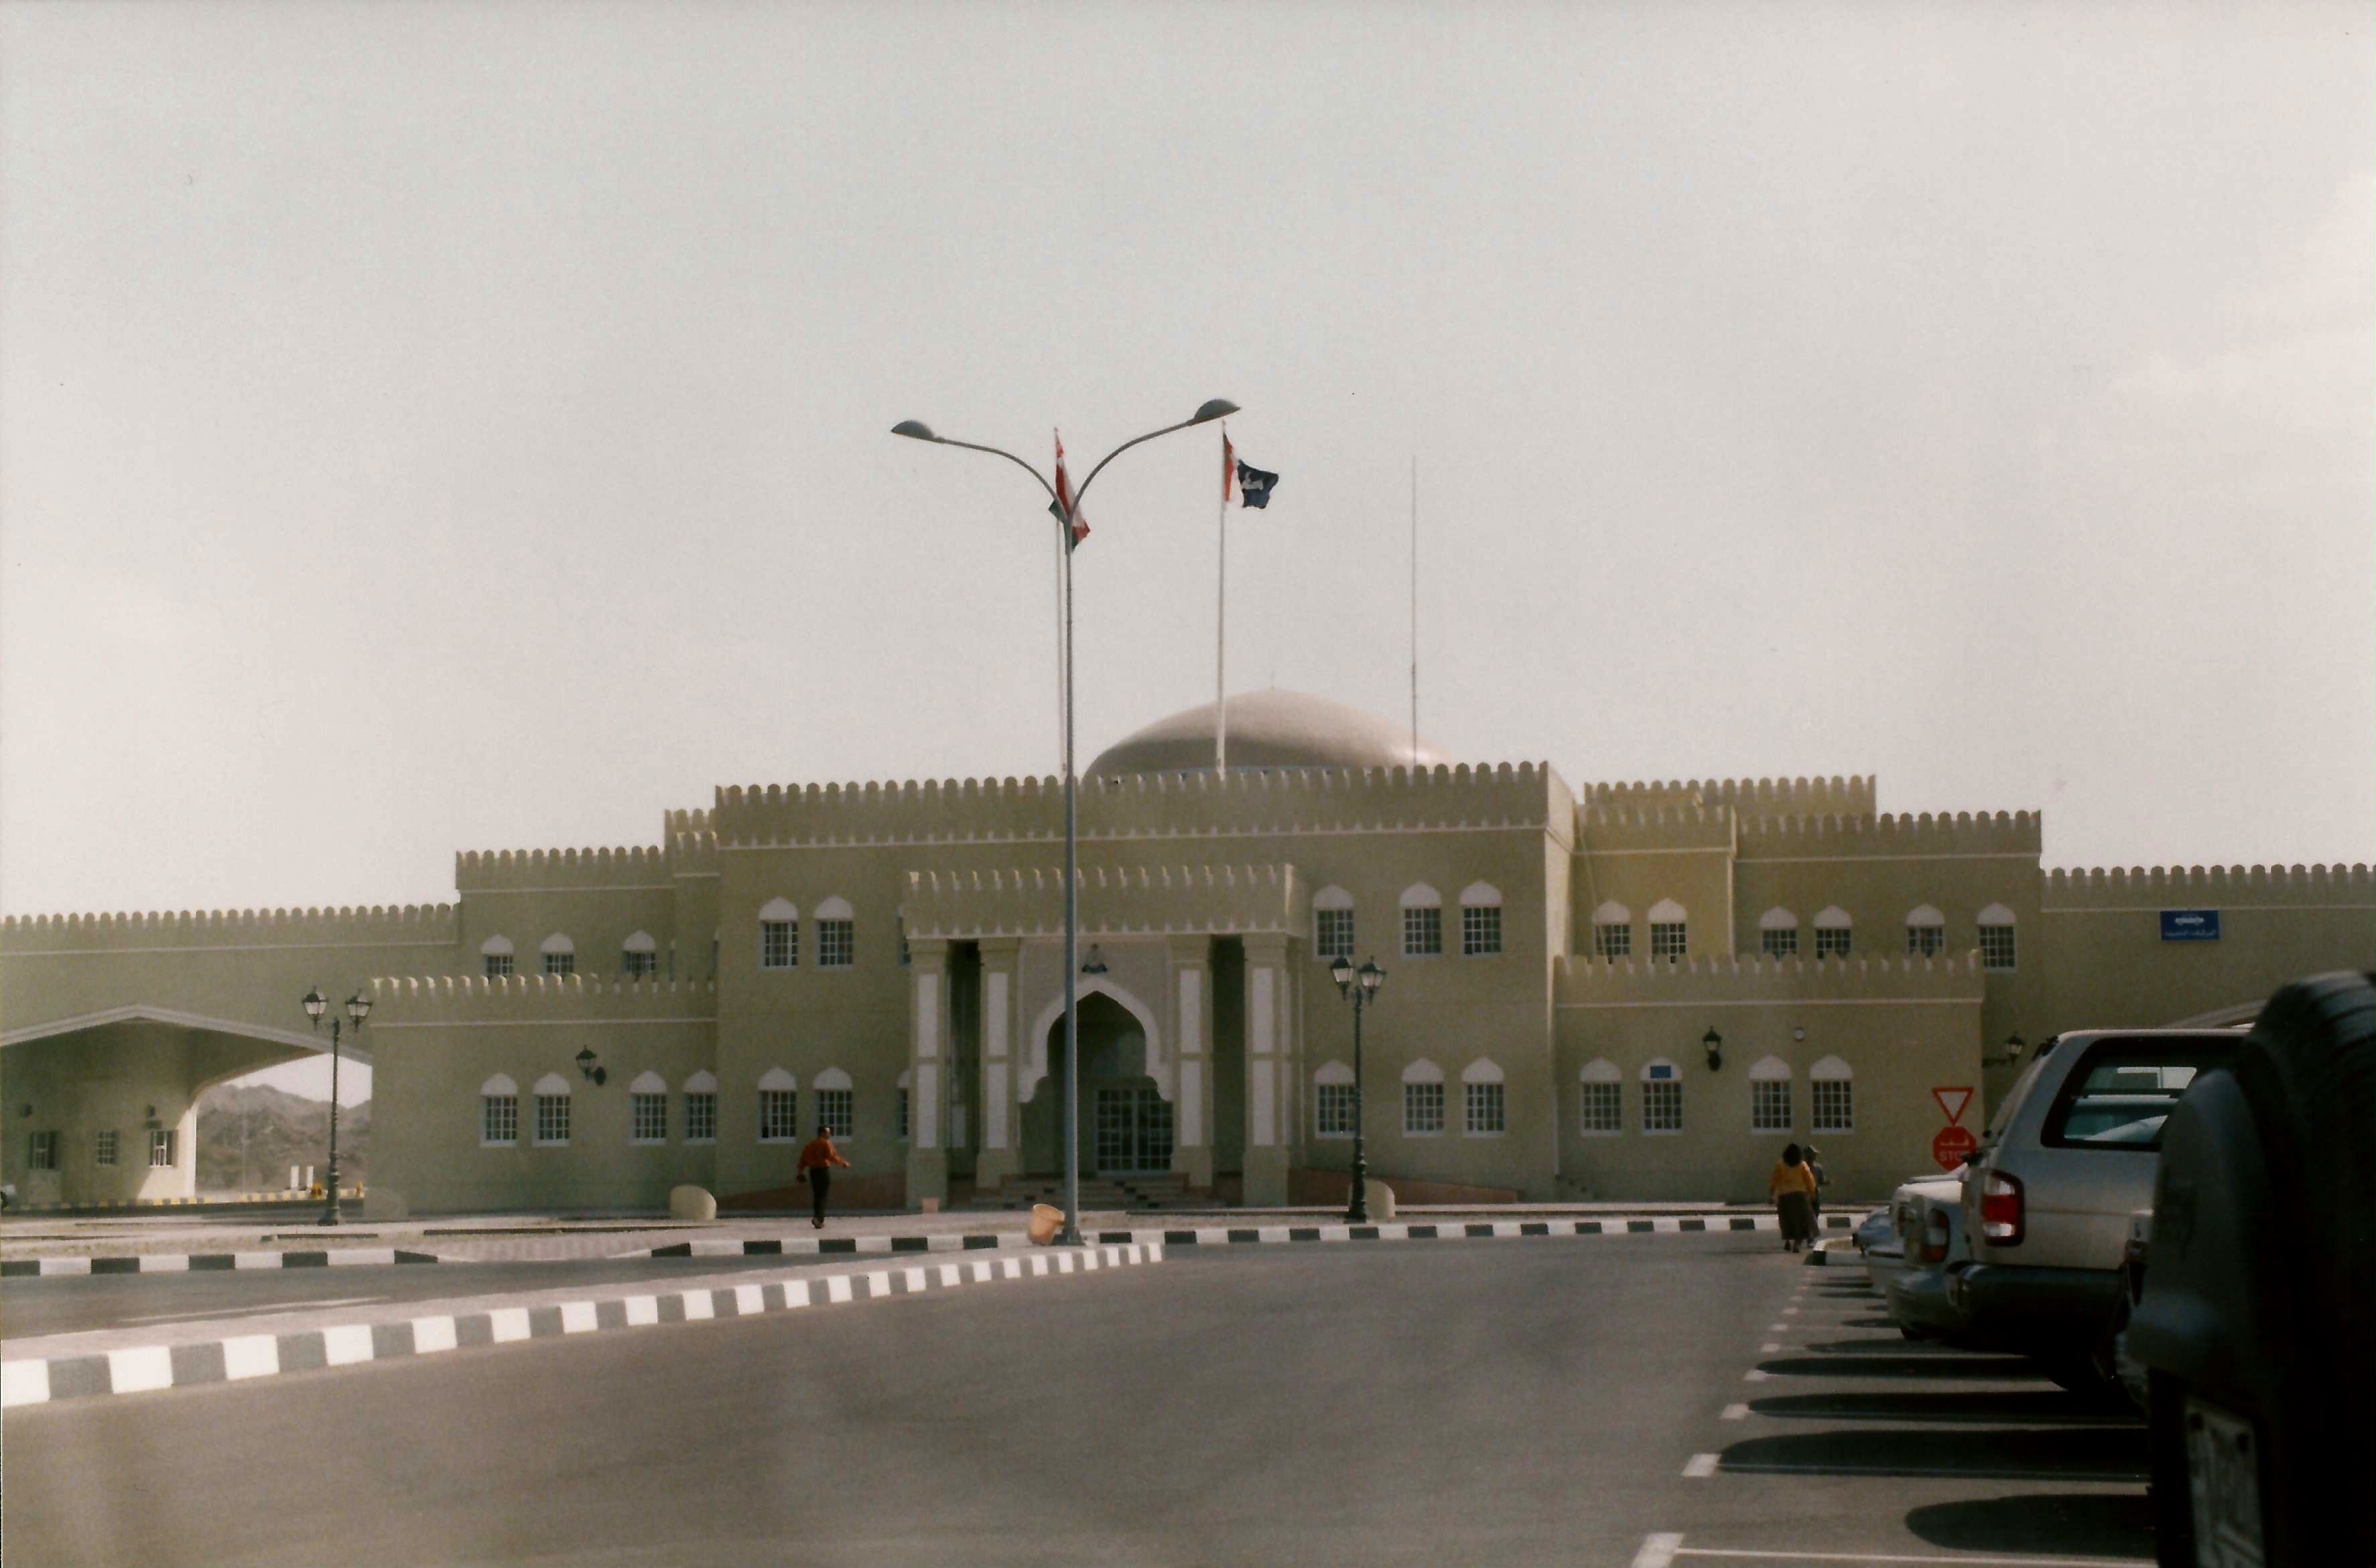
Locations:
(2119, 1095)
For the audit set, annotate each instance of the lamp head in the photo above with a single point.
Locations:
(1095, 964)
(2014, 1045)
(915, 429)
(314, 1004)
(1341, 971)
(1373, 977)
(594, 1074)
(1715, 1044)
(359, 1008)
(1214, 408)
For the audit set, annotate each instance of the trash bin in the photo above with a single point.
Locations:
(2258, 1370)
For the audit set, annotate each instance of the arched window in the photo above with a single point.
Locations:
(905, 1077)
(1485, 1112)
(1422, 921)
(1669, 930)
(1778, 934)
(1603, 1087)
(1481, 920)
(835, 1103)
(837, 934)
(779, 1107)
(1926, 932)
(1769, 1096)
(647, 1110)
(496, 954)
(1662, 1097)
(1332, 923)
(1833, 931)
(1833, 1096)
(1423, 1100)
(1996, 937)
(1332, 1100)
(639, 956)
(551, 1110)
(1613, 931)
(701, 1108)
(779, 935)
(499, 1112)
(560, 954)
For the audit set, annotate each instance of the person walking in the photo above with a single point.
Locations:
(1822, 1181)
(817, 1161)
(1793, 1189)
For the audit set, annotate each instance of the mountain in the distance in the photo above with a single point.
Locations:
(279, 1130)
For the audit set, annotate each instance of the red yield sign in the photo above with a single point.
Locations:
(1953, 1147)
(1952, 1102)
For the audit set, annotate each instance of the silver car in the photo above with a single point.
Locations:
(1928, 1212)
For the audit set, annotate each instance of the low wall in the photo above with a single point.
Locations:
(886, 1189)
(1310, 1188)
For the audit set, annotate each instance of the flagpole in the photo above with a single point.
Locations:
(1063, 671)
(1222, 624)
(1414, 607)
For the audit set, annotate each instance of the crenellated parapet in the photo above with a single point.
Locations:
(2097, 887)
(1740, 976)
(1029, 901)
(1660, 828)
(356, 926)
(518, 870)
(1153, 805)
(400, 1000)
(1885, 837)
(1836, 796)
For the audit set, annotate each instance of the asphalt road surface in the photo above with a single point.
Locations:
(1605, 1402)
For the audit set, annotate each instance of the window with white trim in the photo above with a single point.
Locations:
(1332, 923)
(1834, 932)
(1832, 1096)
(639, 956)
(902, 1115)
(1603, 1101)
(1422, 921)
(1423, 1100)
(498, 1111)
(1778, 934)
(1481, 931)
(779, 935)
(779, 1107)
(834, 1102)
(1485, 1109)
(1668, 939)
(1926, 933)
(837, 934)
(647, 1118)
(496, 953)
(1332, 1100)
(552, 1109)
(1662, 1098)
(164, 1142)
(701, 1108)
(103, 1146)
(41, 1152)
(1614, 940)
(1769, 1097)
(1996, 937)
(561, 960)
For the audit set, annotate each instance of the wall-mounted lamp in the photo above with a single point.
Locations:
(2013, 1046)
(597, 1076)
(1095, 964)
(1715, 1044)
(1799, 1035)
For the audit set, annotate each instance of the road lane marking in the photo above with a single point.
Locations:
(1769, 1348)
(1701, 1466)
(1755, 1374)
(1657, 1552)
(1734, 1413)
(251, 1311)
(1964, 1561)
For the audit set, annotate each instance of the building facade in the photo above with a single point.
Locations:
(1626, 990)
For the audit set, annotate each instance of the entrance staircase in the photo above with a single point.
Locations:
(1152, 1190)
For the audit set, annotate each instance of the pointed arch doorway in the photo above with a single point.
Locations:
(1126, 1125)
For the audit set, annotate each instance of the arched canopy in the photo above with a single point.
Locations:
(1602, 1071)
(1481, 1071)
(499, 1086)
(1769, 1069)
(1924, 915)
(776, 1078)
(1420, 896)
(778, 909)
(649, 1083)
(1612, 913)
(639, 942)
(496, 946)
(552, 1084)
(831, 1079)
(1423, 1072)
(1331, 897)
(1333, 1073)
(557, 942)
(703, 1082)
(835, 908)
(1830, 1068)
(1665, 911)
(1996, 914)
(1833, 917)
(1777, 919)
(1481, 895)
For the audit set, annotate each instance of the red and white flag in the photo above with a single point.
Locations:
(1065, 509)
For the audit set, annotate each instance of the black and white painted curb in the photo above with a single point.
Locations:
(144, 1367)
(205, 1262)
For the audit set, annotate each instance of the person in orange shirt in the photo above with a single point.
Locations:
(1793, 1189)
(817, 1161)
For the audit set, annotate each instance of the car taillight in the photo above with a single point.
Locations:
(1934, 1237)
(2000, 1209)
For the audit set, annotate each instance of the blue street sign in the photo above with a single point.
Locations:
(2189, 925)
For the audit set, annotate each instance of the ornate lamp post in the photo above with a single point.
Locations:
(1360, 988)
(917, 430)
(358, 1009)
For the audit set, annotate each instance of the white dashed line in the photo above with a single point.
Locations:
(1701, 1468)
(1769, 1348)
(1754, 1375)
(1735, 1413)
(1657, 1552)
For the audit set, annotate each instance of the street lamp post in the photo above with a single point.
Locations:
(917, 430)
(358, 1009)
(1360, 988)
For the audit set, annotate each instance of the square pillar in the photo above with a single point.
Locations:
(1270, 1069)
(930, 1057)
(1001, 1121)
(1191, 990)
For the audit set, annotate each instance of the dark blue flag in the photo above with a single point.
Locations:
(1253, 485)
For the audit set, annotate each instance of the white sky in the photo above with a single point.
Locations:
(465, 426)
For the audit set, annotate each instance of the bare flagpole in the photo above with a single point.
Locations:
(1064, 672)
(1414, 609)
(1222, 624)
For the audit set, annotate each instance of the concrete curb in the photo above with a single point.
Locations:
(206, 1263)
(1473, 1230)
(241, 1357)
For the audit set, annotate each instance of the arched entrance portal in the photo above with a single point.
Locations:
(1126, 1124)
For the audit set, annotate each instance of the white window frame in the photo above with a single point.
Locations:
(1777, 934)
(836, 1103)
(499, 1088)
(560, 954)
(1483, 1099)
(496, 958)
(1332, 1089)
(103, 1146)
(700, 1094)
(1834, 932)
(1670, 929)
(1422, 1075)
(165, 1141)
(1997, 941)
(1769, 1091)
(1332, 924)
(1653, 1091)
(837, 934)
(781, 914)
(639, 956)
(43, 1150)
(648, 1086)
(552, 1095)
(1481, 920)
(775, 1081)
(1597, 1076)
(1831, 1074)
(1422, 921)
(1926, 932)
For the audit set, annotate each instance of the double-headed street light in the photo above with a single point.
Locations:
(358, 1008)
(917, 430)
(1360, 988)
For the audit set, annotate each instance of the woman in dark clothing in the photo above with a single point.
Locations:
(1793, 1188)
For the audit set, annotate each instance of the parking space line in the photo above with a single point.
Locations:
(1755, 1374)
(1657, 1552)
(1769, 1348)
(1734, 1413)
(1699, 1467)
(1739, 1554)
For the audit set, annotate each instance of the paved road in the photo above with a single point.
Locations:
(1535, 1401)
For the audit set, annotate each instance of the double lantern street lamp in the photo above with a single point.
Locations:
(1360, 988)
(1066, 510)
(358, 1008)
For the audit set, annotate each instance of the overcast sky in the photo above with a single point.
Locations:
(429, 427)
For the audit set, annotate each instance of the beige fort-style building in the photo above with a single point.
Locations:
(1622, 991)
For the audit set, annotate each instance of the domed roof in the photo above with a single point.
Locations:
(1270, 728)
